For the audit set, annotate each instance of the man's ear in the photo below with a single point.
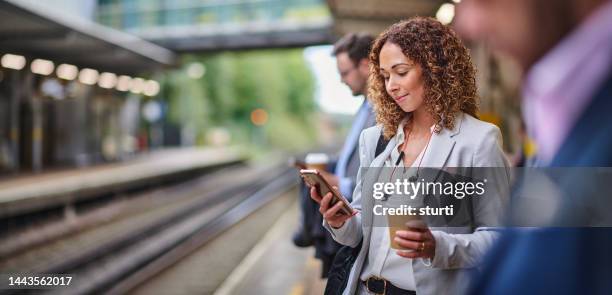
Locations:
(364, 65)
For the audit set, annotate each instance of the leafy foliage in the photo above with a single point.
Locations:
(236, 83)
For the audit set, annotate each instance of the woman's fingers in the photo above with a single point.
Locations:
(314, 195)
(332, 214)
(324, 204)
(410, 254)
(333, 211)
(427, 252)
(418, 242)
(410, 245)
(411, 235)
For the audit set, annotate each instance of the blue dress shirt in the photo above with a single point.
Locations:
(346, 184)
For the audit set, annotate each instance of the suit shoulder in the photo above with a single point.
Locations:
(477, 127)
(476, 132)
(368, 141)
(371, 133)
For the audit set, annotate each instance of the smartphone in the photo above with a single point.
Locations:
(314, 178)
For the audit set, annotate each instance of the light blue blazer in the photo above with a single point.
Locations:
(472, 143)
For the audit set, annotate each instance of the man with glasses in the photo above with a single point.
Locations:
(351, 53)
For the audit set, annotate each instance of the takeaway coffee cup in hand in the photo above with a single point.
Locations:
(398, 222)
(317, 161)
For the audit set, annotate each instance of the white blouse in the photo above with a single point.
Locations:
(382, 261)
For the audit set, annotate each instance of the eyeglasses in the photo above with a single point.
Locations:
(343, 74)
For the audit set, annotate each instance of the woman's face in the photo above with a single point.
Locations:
(403, 77)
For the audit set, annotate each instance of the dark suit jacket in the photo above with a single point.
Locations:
(325, 246)
(353, 164)
(561, 260)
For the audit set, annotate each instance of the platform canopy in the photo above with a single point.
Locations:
(30, 30)
(374, 16)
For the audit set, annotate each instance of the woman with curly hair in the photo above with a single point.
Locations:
(422, 85)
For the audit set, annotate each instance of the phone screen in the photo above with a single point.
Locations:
(316, 180)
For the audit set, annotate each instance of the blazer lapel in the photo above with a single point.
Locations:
(436, 156)
(441, 145)
(439, 149)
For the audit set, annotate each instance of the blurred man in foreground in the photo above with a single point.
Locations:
(565, 50)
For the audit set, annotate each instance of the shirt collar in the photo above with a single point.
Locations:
(560, 85)
(559, 64)
(400, 129)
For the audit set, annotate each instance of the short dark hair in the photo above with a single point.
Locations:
(357, 45)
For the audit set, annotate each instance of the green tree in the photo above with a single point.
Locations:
(236, 83)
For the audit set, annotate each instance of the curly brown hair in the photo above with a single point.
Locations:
(448, 73)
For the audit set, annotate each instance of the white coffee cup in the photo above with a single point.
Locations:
(317, 161)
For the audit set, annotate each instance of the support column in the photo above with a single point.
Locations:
(14, 114)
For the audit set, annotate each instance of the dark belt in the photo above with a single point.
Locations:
(378, 285)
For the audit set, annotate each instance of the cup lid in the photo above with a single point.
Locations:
(316, 158)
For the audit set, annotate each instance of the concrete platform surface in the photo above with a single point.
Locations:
(29, 192)
(276, 266)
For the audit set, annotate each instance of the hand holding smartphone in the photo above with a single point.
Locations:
(314, 179)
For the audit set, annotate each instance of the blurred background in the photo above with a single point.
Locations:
(112, 109)
(85, 82)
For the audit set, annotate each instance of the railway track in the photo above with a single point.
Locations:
(125, 260)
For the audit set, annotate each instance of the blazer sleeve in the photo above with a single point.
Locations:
(351, 233)
(467, 250)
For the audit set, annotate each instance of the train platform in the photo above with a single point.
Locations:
(28, 193)
(196, 237)
(256, 256)
(276, 266)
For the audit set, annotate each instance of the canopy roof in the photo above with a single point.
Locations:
(374, 16)
(30, 30)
